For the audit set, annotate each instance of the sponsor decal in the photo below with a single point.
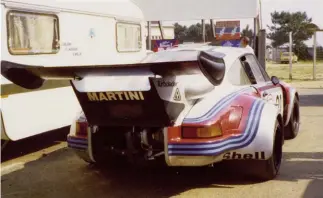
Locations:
(115, 96)
(177, 95)
(69, 47)
(238, 156)
(228, 31)
(161, 45)
(166, 83)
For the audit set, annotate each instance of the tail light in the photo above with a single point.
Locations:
(229, 121)
(81, 128)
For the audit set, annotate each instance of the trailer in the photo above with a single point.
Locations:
(61, 33)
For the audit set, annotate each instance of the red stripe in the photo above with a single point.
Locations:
(266, 87)
(174, 133)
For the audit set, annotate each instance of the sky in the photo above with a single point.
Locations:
(313, 8)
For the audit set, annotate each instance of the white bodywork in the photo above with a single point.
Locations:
(263, 142)
(87, 33)
(255, 140)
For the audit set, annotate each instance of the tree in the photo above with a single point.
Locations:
(247, 32)
(180, 32)
(193, 33)
(298, 23)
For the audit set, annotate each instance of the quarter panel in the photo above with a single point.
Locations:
(263, 142)
(289, 93)
(256, 142)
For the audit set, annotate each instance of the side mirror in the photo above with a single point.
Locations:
(275, 80)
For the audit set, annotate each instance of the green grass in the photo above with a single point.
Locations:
(301, 71)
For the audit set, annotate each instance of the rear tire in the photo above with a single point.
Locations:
(268, 170)
(292, 128)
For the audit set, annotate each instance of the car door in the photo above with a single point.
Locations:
(261, 81)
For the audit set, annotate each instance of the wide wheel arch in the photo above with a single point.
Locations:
(289, 94)
(264, 170)
(296, 95)
(281, 122)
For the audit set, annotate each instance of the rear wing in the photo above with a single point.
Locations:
(186, 10)
(164, 64)
(151, 93)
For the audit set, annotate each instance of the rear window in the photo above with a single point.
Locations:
(32, 33)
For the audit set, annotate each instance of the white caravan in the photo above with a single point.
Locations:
(61, 33)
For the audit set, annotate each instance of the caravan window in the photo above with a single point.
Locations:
(32, 33)
(128, 37)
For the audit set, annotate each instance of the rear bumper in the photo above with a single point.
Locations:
(79, 143)
(178, 160)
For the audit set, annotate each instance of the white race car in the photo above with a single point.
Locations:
(187, 106)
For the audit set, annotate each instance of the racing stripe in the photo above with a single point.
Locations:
(247, 128)
(216, 108)
(227, 144)
(77, 143)
(77, 146)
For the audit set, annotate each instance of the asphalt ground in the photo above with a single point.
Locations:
(43, 167)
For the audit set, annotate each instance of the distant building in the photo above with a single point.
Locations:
(169, 31)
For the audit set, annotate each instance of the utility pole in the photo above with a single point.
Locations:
(290, 55)
(314, 56)
(212, 28)
(149, 35)
(315, 50)
(203, 30)
(262, 48)
(161, 30)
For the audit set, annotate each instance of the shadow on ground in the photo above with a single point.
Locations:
(312, 100)
(33, 144)
(62, 174)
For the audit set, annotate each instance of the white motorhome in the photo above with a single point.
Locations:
(61, 33)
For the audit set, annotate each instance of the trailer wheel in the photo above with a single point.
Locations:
(268, 170)
(4, 143)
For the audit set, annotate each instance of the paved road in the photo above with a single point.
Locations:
(47, 169)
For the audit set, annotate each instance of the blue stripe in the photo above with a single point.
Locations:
(228, 144)
(227, 29)
(223, 148)
(208, 145)
(219, 151)
(220, 103)
(78, 146)
(216, 108)
(77, 140)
